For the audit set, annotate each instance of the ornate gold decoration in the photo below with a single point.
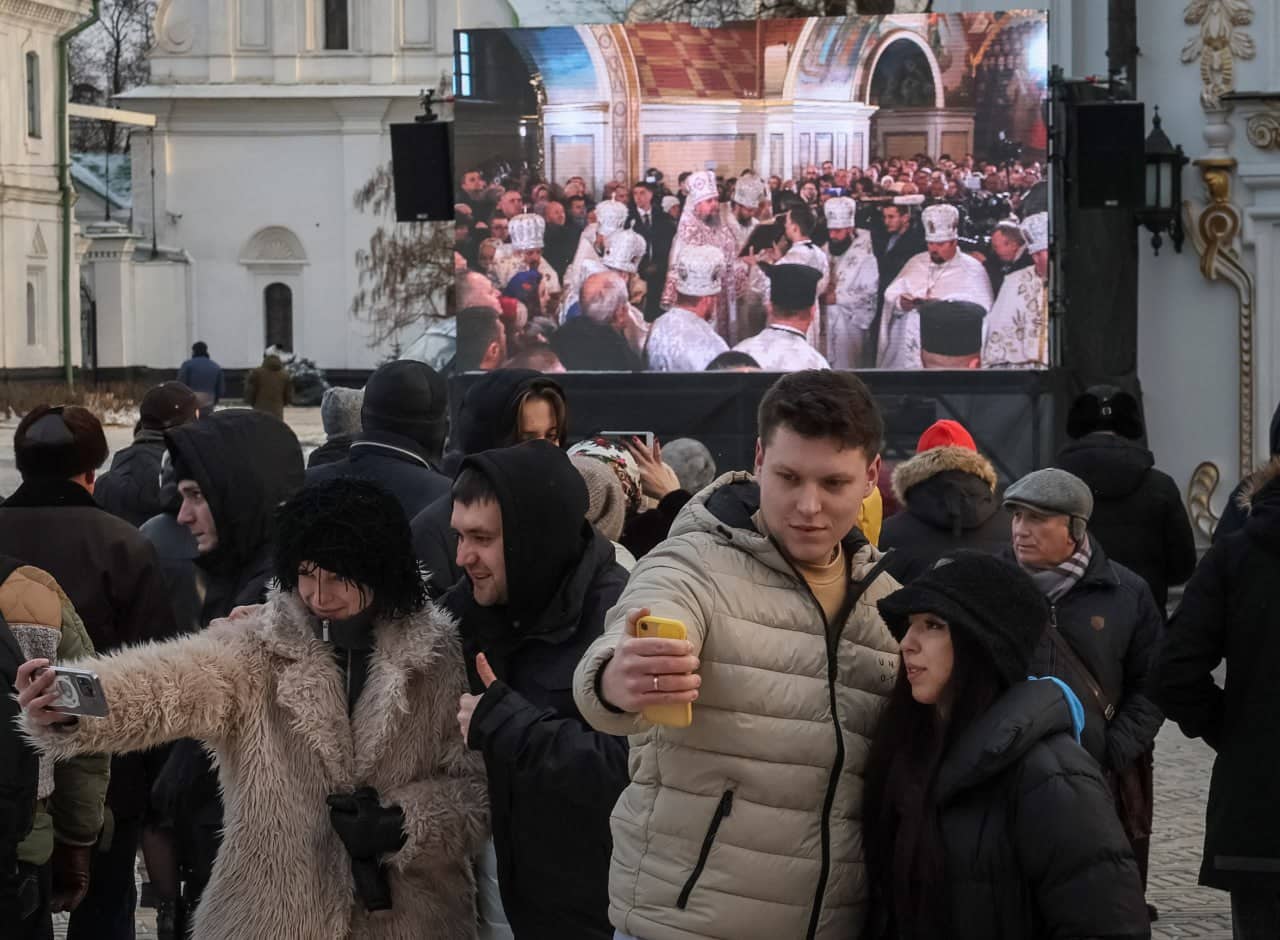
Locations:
(1263, 130)
(1214, 230)
(1221, 41)
(1204, 482)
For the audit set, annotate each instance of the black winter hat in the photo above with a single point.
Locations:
(409, 398)
(951, 327)
(167, 405)
(1105, 408)
(792, 286)
(995, 603)
(59, 442)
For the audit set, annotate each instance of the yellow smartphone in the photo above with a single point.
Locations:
(664, 628)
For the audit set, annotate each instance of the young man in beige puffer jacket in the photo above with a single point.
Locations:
(746, 824)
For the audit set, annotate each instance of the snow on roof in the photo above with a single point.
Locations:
(90, 171)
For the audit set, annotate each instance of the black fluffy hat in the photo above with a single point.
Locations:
(59, 442)
(951, 327)
(998, 605)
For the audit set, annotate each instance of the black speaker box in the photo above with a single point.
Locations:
(1108, 144)
(422, 163)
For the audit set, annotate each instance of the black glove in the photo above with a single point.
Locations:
(19, 891)
(366, 828)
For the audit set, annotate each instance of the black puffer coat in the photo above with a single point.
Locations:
(398, 463)
(553, 779)
(1033, 847)
(1230, 611)
(1114, 627)
(1138, 515)
(131, 488)
(949, 502)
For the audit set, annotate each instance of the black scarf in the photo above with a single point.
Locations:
(353, 642)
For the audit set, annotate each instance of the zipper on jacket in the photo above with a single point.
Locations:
(1053, 647)
(723, 809)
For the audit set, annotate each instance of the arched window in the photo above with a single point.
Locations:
(278, 303)
(33, 316)
(33, 95)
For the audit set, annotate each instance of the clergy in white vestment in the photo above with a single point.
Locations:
(1017, 333)
(702, 224)
(524, 253)
(943, 272)
(623, 253)
(742, 215)
(783, 346)
(611, 217)
(849, 302)
(682, 339)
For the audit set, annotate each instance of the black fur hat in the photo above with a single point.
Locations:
(1105, 408)
(998, 605)
(59, 442)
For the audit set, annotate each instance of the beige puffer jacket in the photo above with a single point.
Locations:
(746, 824)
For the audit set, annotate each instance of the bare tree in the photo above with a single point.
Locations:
(405, 272)
(106, 59)
(715, 12)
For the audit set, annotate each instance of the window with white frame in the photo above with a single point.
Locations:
(462, 66)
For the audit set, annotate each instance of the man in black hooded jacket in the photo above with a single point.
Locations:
(489, 417)
(233, 469)
(403, 423)
(538, 582)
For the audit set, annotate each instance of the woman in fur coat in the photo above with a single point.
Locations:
(353, 807)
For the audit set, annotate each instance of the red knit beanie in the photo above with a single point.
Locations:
(945, 433)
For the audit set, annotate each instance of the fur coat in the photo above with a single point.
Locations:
(267, 698)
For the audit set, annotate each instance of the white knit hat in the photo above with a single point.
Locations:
(841, 212)
(624, 250)
(611, 216)
(527, 231)
(700, 270)
(941, 223)
(1035, 229)
(668, 202)
(749, 191)
(702, 185)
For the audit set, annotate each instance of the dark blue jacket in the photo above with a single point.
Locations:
(204, 377)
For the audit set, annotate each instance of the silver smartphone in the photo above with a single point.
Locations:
(645, 436)
(79, 692)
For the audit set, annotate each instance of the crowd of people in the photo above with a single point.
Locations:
(405, 688)
(916, 264)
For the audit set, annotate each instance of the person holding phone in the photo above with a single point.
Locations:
(538, 581)
(352, 806)
(745, 824)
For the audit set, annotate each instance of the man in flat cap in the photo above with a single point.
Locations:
(1018, 327)
(793, 301)
(849, 302)
(683, 339)
(951, 334)
(1103, 636)
(943, 272)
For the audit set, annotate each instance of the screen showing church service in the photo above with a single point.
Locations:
(853, 193)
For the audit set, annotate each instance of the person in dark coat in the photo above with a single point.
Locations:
(658, 230)
(1138, 515)
(983, 816)
(1234, 514)
(948, 494)
(1229, 611)
(1105, 632)
(228, 505)
(113, 578)
(403, 418)
(538, 581)
(131, 488)
(269, 388)
(504, 407)
(340, 415)
(204, 377)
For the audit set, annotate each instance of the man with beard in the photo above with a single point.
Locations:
(658, 230)
(611, 217)
(745, 208)
(1008, 253)
(525, 253)
(943, 272)
(1017, 330)
(849, 302)
(471, 193)
(682, 339)
(701, 224)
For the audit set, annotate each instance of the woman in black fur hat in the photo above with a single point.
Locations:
(983, 815)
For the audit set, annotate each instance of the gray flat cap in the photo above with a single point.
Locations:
(1052, 491)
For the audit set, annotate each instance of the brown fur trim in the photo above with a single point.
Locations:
(929, 464)
(1254, 483)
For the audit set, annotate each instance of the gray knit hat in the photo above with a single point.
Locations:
(691, 460)
(1053, 492)
(340, 410)
(606, 502)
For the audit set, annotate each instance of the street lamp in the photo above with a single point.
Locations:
(1162, 209)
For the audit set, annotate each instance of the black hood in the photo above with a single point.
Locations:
(544, 528)
(1112, 466)
(951, 488)
(487, 418)
(246, 463)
